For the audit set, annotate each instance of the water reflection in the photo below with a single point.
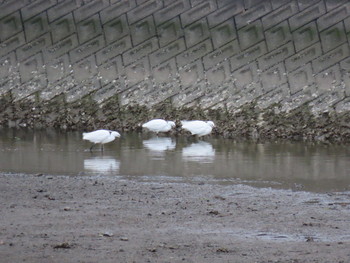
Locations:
(159, 144)
(316, 167)
(102, 164)
(199, 152)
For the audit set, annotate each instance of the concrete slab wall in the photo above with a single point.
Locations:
(212, 54)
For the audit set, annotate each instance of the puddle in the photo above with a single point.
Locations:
(290, 165)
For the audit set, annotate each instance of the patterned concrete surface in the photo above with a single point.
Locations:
(212, 54)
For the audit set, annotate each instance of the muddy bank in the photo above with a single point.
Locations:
(112, 219)
(249, 122)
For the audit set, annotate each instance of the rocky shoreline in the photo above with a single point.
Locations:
(249, 122)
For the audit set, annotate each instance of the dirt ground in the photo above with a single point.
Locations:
(111, 219)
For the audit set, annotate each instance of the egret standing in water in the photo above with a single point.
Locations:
(159, 125)
(199, 128)
(100, 136)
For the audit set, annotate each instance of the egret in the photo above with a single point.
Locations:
(159, 125)
(199, 128)
(100, 136)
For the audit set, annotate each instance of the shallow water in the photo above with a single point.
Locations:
(290, 165)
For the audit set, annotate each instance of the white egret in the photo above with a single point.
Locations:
(100, 136)
(159, 125)
(199, 128)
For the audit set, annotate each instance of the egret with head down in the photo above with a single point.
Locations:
(159, 125)
(198, 128)
(101, 137)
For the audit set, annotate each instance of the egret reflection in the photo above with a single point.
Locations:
(159, 144)
(102, 164)
(313, 166)
(199, 151)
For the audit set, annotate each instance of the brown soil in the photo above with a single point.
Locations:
(103, 219)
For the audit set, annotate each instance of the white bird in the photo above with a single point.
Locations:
(199, 128)
(100, 136)
(159, 125)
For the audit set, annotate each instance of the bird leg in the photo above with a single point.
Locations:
(101, 147)
(91, 147)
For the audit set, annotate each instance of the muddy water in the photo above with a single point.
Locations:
(297, 166)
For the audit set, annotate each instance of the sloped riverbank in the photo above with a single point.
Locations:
(248, 122)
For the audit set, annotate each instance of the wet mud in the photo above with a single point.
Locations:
(113, 219)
